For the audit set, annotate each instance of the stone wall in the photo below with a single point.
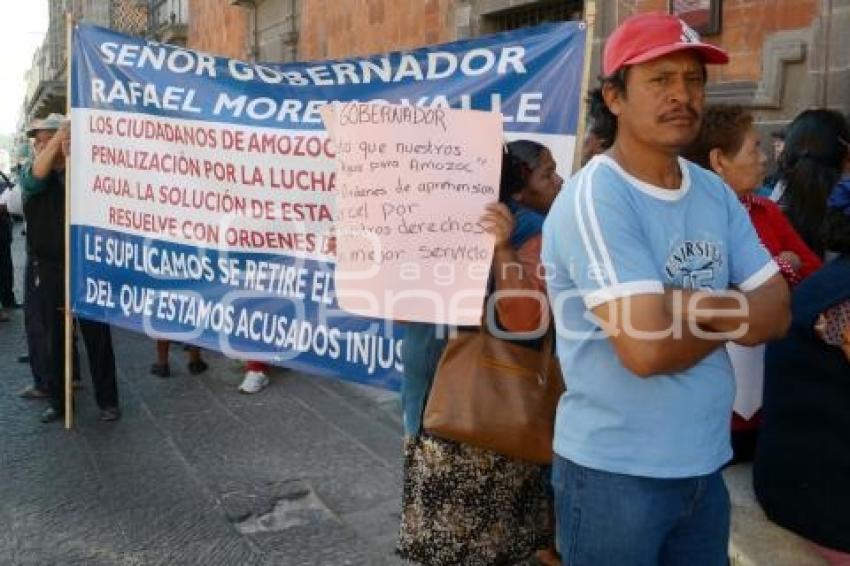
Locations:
(786, 55)
(277, 23)
(779, 48)
(219, 28)
(746, 25)
(332, 29)
(829, 64)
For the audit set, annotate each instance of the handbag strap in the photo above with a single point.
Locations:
(548, 352)
(547, 348)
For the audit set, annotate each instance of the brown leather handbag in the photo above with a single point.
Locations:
(496, 395)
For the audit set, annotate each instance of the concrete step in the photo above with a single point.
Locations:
(754, 539)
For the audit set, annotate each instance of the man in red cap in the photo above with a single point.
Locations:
(653, 265)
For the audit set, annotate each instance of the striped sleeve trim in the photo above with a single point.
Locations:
(589, 229)
(760, 277)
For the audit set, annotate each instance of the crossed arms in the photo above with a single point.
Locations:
(662, 333)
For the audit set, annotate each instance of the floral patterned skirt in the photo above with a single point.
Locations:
(465, 505)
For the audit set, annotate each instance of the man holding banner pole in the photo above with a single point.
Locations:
(653, 266)
(43, 187)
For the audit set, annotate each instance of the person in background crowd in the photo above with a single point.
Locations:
(256, 373)
(32, 328)
(728, 144)
(462, 504)
(814, 157)
(33, 331)
(7, 272)
(777, 138)
(13, 198)
(802, 460)
(161, 367)
(639, 242)
(43, 185)
(601, 127)
(23, 158)
(777, 143)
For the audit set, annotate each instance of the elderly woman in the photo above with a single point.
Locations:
(729, 145)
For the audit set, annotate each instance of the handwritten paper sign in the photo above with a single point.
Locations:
(412, 184)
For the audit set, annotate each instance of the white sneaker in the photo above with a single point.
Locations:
(254, 382)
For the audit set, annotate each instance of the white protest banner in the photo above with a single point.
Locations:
(203, 189)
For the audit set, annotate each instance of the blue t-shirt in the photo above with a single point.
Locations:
(610, 235)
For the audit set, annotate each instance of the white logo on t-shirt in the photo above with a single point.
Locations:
(693, 264)
(689, 35)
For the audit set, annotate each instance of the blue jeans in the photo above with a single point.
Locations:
(607, 519)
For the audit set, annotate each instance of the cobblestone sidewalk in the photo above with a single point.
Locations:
(305, 472)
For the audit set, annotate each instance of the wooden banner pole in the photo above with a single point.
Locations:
(590, 22)
(69, 319)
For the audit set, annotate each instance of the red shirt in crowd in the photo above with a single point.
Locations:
(778, 235)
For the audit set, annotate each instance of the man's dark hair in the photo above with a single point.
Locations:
(811, 165)
(519, 160)
(601, 122)
(617, 80)
(600, 116)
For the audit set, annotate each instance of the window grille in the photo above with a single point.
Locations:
(532, 15)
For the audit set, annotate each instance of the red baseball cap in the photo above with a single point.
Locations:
(646, 37)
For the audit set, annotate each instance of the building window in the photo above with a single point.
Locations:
(532, 15)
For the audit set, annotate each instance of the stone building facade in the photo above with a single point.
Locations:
(359, 27)
(46, 78)
(787, 55)
(217, 27)
(256, 30)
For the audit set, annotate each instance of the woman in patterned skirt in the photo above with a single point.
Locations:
(462, 504)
